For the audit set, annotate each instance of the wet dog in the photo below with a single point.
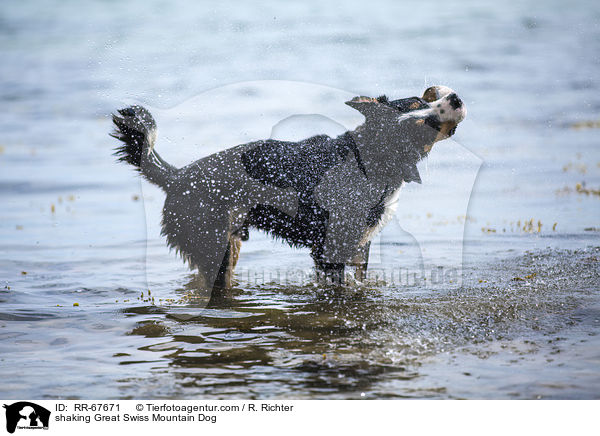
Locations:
(331, 195)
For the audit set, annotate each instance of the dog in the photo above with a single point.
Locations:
(332, 195)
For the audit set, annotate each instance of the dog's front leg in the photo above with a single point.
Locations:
(333, 272)
(360, 261)
(341, 243)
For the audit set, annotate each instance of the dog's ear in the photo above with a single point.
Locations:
(365, 105)
(430, 94)
(436, 92)
(357, 102)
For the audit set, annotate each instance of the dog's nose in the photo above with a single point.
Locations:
(455, 102)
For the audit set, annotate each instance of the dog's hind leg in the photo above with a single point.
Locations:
(199, 231)
(360, 261)
(232, 254)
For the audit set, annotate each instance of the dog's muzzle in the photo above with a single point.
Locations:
(455, 101)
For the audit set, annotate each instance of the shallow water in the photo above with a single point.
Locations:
(521, 322)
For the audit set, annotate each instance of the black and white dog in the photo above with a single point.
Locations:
(331, 195)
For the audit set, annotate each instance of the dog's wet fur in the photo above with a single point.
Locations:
(270, 185)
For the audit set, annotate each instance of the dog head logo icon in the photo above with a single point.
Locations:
(26, 415)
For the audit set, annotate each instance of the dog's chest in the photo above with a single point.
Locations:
(386, 213)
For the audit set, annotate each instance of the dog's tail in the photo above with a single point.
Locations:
(136, 128)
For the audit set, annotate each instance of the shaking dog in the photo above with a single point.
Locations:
(332, 195)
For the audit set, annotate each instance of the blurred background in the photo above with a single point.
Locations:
(520, 178)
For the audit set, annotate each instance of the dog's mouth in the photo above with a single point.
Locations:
(445, 130)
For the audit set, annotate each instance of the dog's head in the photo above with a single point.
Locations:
(430, 118)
